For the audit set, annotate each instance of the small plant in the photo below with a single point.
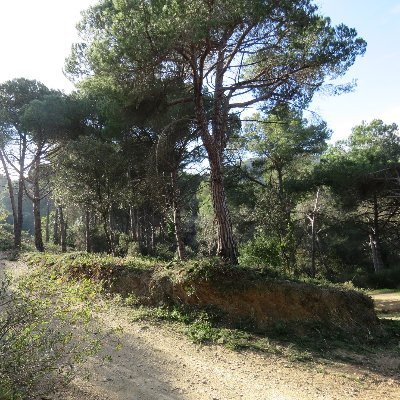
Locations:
(46, 326)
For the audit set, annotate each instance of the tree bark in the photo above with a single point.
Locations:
(36, 202)
(56, 227)
(63, 229)
(374, 239)
(20, 195)
(215, 145)
(10, 192)
(88, 238)
(47, 231)
(226, 247)
(313, 222)
(106, 217)
(177, 218)
(133, 224)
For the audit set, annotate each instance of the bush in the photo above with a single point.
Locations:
(41, 318)
(385, 279)
(163, 252)
(261, 251)
(6, 237)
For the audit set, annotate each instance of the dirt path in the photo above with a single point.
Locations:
(387, 302)
(156, 363)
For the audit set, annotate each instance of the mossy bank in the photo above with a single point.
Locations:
(242, 296)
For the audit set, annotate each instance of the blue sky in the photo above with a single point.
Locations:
(35, 38)
(377, 94)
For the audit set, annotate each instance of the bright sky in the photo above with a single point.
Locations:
(36, 36)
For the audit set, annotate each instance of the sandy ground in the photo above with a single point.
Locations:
(157, 363)
(387, 302)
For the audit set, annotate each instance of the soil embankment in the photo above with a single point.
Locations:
(157, 363)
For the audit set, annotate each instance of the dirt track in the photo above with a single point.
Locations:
(387, 302)
(156, 363)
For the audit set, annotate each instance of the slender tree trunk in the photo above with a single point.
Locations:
(88, 238)
(278, 168)
(20, 195)
(313, 223)
(376, 253)
(47, 232)
(132, 223)
(374, 239)
(56, 227)
(36, 202)
(152, 231)
(63, 229)
(106, 221)
(176, 210)
(11, 193)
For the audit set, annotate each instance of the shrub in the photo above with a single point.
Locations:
(385, 279)
(6, 237)
(261, 251)
(46, 326)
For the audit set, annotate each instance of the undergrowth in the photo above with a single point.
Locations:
(312, 341)
(47, 329)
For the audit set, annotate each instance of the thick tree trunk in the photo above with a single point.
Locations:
(226, 247)
(215, 145)
(176, 210)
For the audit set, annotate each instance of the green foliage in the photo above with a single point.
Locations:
(47, 329)
(261, 251)
(100, 268)
(385, 279)
(6, 237)
(164, 252)
(206, 228)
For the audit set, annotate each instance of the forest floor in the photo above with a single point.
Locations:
(154, 361)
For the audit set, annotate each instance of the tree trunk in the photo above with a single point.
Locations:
(226, 247)
(376, 253)
(215, 143)
(313, 222)
(63, 230)
(132, 223)
(374, 239)
(56, 227)
(20, 195)
(105, 214)
(47, 232)
(10, 192)
(36, 202)
(176, 210)
(88, 238)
